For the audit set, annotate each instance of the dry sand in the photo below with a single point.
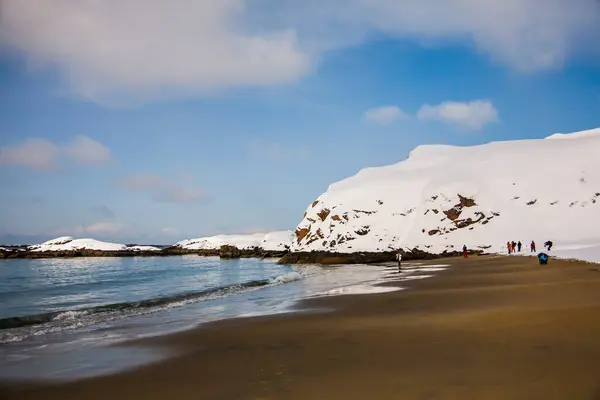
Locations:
(488, 328)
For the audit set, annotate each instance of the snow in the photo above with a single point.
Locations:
(143, 248)
(67, 243)
(272, 241)
(277, 241)
(541, 189)
(575, 135)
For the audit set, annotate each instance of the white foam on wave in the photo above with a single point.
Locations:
(69, 320)
(69, 315)
(289, 277)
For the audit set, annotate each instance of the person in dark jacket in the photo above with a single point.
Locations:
(548, 244)
(465, 251)
(532, 246)
(519, 246)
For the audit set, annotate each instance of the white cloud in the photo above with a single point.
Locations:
(44, 155)
(523, 34)
(152, 48)
(37, 154)
(162, 189)
(87, 151)
(104, 228)
(472, 115)
(384, 115)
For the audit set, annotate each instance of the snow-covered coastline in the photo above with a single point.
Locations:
(259, 244)
(67, 243)
(434, 202)
(443, 197)
(272, 241)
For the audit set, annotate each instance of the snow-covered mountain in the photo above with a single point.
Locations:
(67, 243)
(273, 241)
(443, 197)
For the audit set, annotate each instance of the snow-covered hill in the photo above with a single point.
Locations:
(443, 197)
(273, 241)
(67, 243)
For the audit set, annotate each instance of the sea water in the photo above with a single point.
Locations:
(58, 316)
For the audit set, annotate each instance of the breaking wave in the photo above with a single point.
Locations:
(15, 329)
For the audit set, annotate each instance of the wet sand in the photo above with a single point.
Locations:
(488, 328)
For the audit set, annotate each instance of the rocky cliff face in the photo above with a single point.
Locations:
(444, 197)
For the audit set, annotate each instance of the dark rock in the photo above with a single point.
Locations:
(229, 252)
(329, 257)
(323, 214)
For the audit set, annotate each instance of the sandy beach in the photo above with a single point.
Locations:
(490, 327)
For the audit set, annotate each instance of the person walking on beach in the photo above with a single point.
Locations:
(509, 246)
(532, 246)
(465, 252)
(548, 244)
(399, 259)
(514, 246)
(519, 245)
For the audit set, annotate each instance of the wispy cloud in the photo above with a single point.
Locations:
(472, 115)
(87, 151)
(162, 189)
(36, 154)
(384, 115)
(44, 155)
(98, 228)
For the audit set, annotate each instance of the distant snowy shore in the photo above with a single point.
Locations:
(271, 244)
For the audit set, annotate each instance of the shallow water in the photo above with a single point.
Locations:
(94, 302)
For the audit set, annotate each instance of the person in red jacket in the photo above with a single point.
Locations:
(532, 246)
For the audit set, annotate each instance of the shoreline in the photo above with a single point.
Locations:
(230, 252)
(488, 327)
(168, 252)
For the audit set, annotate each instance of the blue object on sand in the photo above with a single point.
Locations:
(543, 257)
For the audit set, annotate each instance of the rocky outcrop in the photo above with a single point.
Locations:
(228, 252)
(327, 257)
(80, 253)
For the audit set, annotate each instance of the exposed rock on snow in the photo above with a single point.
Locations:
(443, 197)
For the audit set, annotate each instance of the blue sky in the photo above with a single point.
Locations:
(170, 131)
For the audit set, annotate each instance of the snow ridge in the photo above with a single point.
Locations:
(273, 241)
(67, 243)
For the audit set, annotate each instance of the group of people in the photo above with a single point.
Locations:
(514, 247)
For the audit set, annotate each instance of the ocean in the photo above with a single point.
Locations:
(58, 317)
